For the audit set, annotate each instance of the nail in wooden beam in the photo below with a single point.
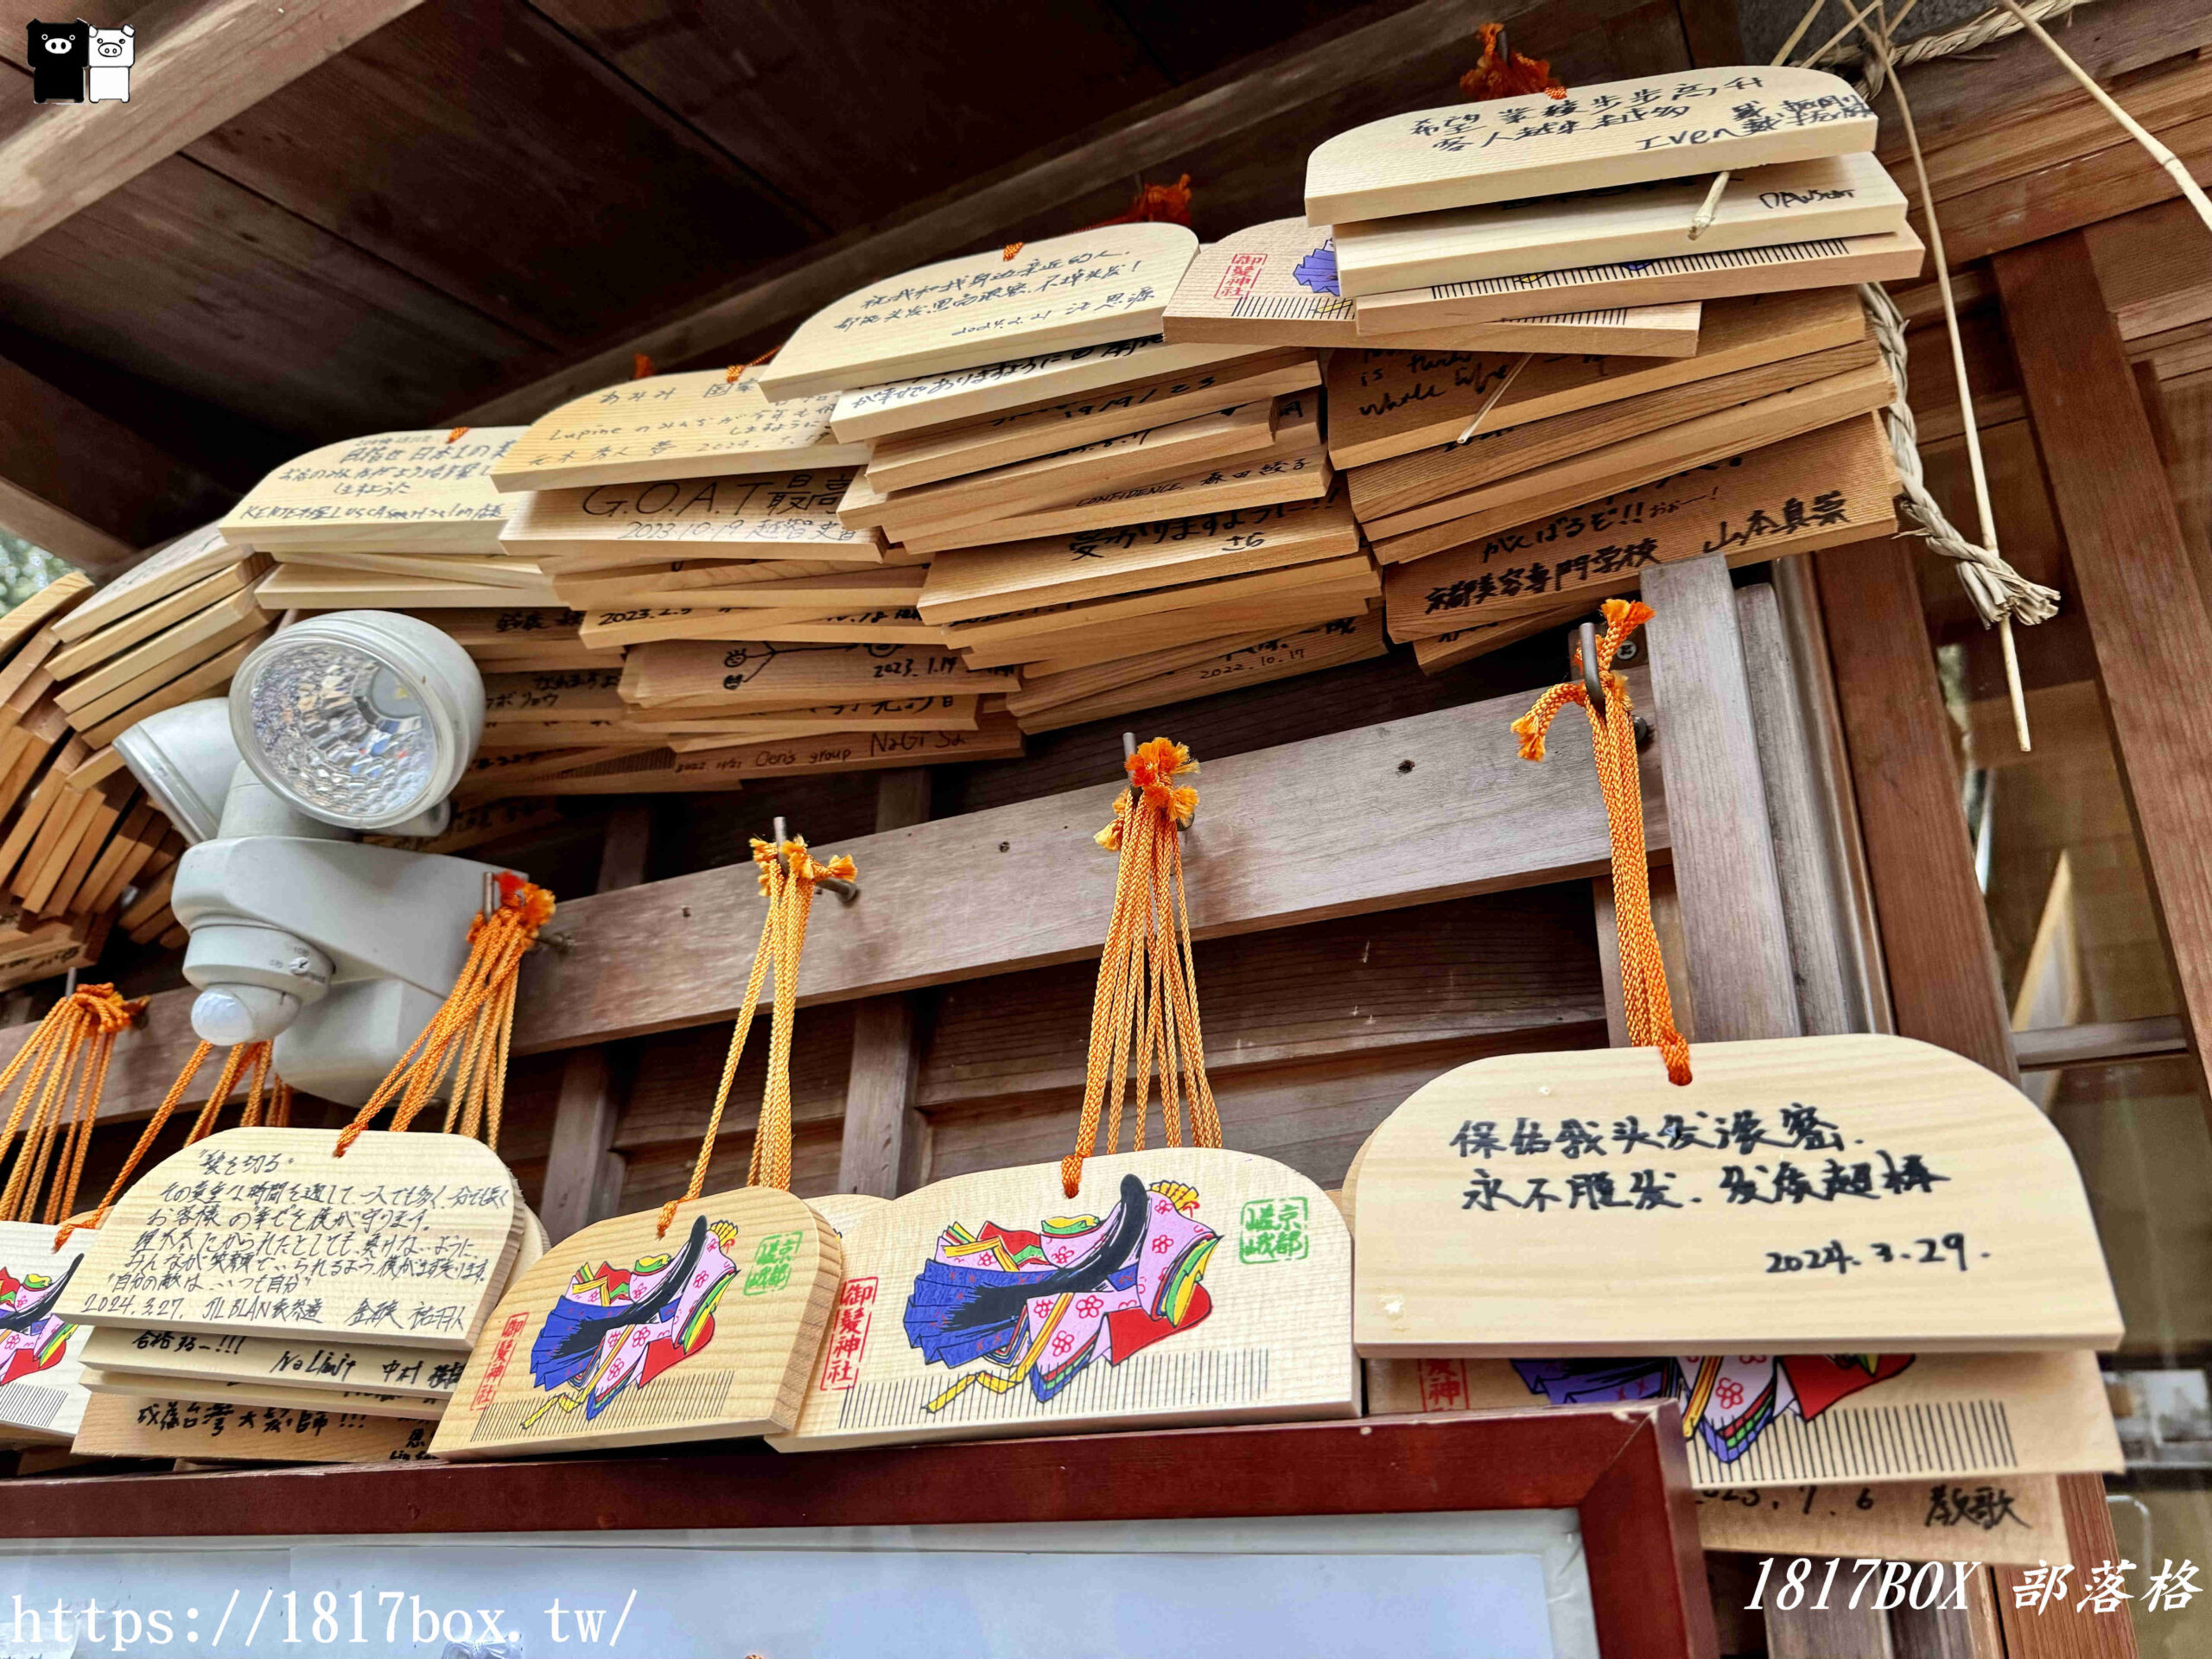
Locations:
(1708, 750)
(583, 1173)
(886, 1148)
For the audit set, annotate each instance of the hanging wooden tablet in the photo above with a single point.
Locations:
(188, 559)
(1800, 1196)
(402, 491)
(966, 395)
(1089, 287)
(148, 620)
(784, 515)
(810, 625)
(119, 1426)
(702, 675)
(1612, 133)
(1834, 197)
(1276, 285)
(1180, 1285)
(1822, 489)
(314, 588)
(143, 1385)
(50, 602)
(695, 1321)
(41, 1366)
(996, 737)
(2017, 1520)
(1351, 640)
(711, 424)
(1384, 404)
(882, 713)
(1895, 255)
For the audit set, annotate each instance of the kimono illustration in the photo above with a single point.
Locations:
(1043, 1305)
(31, 1338)
(616, 1327)
(1318, 269)
(1729, 1399)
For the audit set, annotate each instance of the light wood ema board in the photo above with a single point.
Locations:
(674, 426)
(1089, 288)
(1463, 645)
(21, 621)
(935, 401)
(208, 678)
(2015, 1519)
(117, 1426)
(41, 1354)
(190, 641)
(313, 587)
(495, 777)
(866, 587)
(1276, 285)
(1293, 469)
(1413, 313)
(668, 580)
(1179, 635)
(783, 515)
(1612, 133)
(995, 738)
(525, 582)
(182, 562)
(842, 1212)
(1238, 1317)
(1783, 1419)
(1412, 490)
(535, 739)
(808, 624)
(1024, 636)
(512, 629)
(1048, 685)
(1834, 196)
(990, 581)
(1384, 404)
(1308, 650)
(426, 492)
(151, 619)
(1741, 1227)
(1822, 489)
(906, 462)
(885, 714)
(145, 1384)
(1630, 464)
(413, 1235)
(189, 1360)
(624, 1337)
(552, 697)
(1223, 436)
(698, 674)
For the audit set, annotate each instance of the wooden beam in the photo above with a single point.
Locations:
(86, 488)
(1318, 69)
(198, 64)
(583, 1173)
(886, 1145)
(2136, 583)
(1714, 31)
(1708, 751)
(1936, 938)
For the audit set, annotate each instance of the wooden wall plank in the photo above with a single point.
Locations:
(477, 85)
(2136, 579)
(885, 1145)
(196, 64)
(1943, 967)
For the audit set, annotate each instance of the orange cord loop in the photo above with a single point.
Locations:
(1146, 1005)
(1651, 1012)
(1503, 72)
(470, 1032)
(70, 1049)
(788, 875)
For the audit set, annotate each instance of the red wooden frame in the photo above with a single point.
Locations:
(1623, 1469)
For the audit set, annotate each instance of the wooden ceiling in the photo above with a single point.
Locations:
(377, 214)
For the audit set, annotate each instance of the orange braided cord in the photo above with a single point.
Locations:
(460, 1036)
(1503, 72)
(1649, 1010)
(1145, 1007)
(70, 1048)
(145, 1139)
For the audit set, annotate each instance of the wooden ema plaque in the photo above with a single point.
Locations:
(118, 1426)
(2015, 1520)
(1180, 1286)
(1276, 285)
(41, 1354)
(1805, 202)
(934, 401)
(1822, 489)
(145, 1385)
(392, 491)
(786, 515)
(262, 1232)
(1108, 283)
(697, 674)
(1411, 313)
(673, 426)
(1807, 1195)
(1279, 657)
(1761, 1420)
(1614, 133)
(623, 1336)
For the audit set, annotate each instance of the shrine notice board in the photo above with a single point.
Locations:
(328, 1531)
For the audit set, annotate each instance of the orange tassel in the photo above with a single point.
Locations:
(1503, 72)
(640, 366)
(1155, 204)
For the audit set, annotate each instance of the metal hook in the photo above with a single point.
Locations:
(845, 891)
(1592, 685)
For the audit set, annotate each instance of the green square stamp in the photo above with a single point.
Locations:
(1273, 1230)
(772, 1264)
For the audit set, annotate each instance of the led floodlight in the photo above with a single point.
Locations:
(362, 719)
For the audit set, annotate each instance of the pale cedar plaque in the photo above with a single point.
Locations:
(1351, 639)
(784, 515)
(427, 491)
(700, 674)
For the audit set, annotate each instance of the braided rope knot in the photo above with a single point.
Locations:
(1152, 771)
(112, 1013)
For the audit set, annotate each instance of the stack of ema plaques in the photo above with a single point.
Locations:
(254, 1298)
(80, 848)
(1505, 484)
(1093, 517)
